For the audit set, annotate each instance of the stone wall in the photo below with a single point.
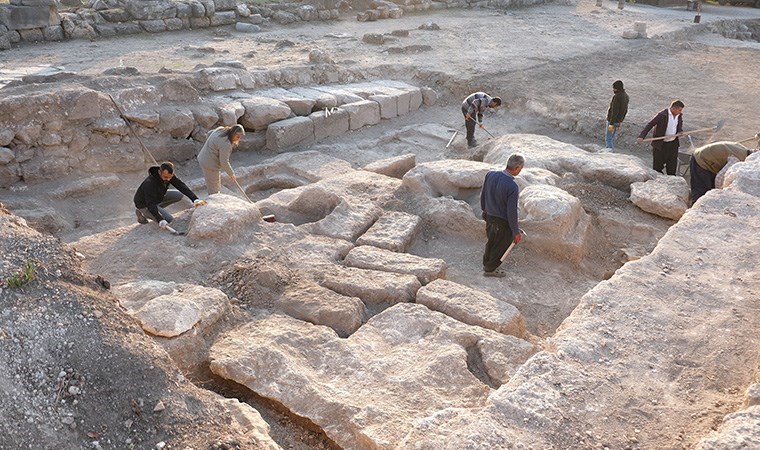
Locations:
(40, 20)
(61, 124)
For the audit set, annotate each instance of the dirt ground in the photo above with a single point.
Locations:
(554, 66)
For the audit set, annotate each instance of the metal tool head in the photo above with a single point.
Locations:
(720, 124)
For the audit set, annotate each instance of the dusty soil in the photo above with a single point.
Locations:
(553, 65)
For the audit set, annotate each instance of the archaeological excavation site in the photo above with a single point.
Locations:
(332, 294)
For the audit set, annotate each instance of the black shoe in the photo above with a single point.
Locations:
(140, 217)
(472, 143)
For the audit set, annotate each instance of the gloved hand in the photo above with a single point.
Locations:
(611, 128)
(163, 224)
(198, 202)
(518, 238)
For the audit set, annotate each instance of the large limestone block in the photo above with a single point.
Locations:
(178, 123)
(535, 175)
(262, 111)
(666, 196)
(223, 219)
(134, 295)
(554, 220)
(217, 79)
(321, 306)
(31, 17)
(373, 287)
(740, 429)
(361, 113)
(456, 178)
(250, 423)
(745, 177)
(472, 307)
(425, 269)
(348, 221)
(290, 132)
(334, 124)
(612, 169)
(300, 105)
(395, 167)
(341, 95)
(394, 231)
(402, 367)
(321, 99)
(85, 186)
(172, 314)
(388, 105)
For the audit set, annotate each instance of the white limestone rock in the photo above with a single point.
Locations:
(612, 169)
(425, 269)
(745, 176)
(451, 177)
(393, 231)
(172, 314)
(261, 111)
(666, 196)
(250, 423)
(554, 221)
(472, 307)
(373, 287)
(223, 219)
(395, 167)
(368, 391)
(321, 306)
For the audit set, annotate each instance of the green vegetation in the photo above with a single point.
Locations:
(22, 277)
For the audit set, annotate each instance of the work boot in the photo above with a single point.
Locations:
(472, 143)
(498, 273)
(140, 217)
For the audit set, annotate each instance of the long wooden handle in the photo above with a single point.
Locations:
(753, 138)
(504, 256)
(241, 190)
(686, 133)
(121, 113)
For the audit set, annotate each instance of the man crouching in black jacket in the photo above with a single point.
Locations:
(153, 195)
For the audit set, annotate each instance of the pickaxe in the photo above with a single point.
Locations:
(511, 246)
(756, 137)
(714, 129)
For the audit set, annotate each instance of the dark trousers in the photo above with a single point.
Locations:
(171, 197)
(469, 124)
(499, 237)
(701, 180)
(666, 156)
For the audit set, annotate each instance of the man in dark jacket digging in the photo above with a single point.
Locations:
(668, 123)
(154, 195)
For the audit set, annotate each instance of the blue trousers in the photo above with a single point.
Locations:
(609, 137)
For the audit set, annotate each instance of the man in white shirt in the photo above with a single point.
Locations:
(668, 123)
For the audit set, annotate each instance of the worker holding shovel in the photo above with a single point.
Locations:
(215, 155)
(472, 108)
(154, 195)
(498, 200)
(668, 125)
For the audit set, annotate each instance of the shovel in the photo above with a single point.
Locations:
(714, 129)
(756, 137)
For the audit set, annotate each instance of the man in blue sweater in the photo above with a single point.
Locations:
(498, 200)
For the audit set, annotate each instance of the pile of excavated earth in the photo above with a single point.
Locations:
(359, 318)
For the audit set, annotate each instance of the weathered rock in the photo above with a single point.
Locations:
(85, 186)
(554, 220)
(426, 352)
(321, 306)
(247, 27)
(348, 220)
(371, 286)
(290, 132)
(395, 167)
(223, 219)
(458, 178)
(326, 125)
(176, 122)
(745, 177)
(361, 113)
(739, 429)
(472, 307)
(262, 111)
(394, 231)
(321, 99)
(666, 196)
(250, 422)
(425, 269)
(429, 96)
(612, 169)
